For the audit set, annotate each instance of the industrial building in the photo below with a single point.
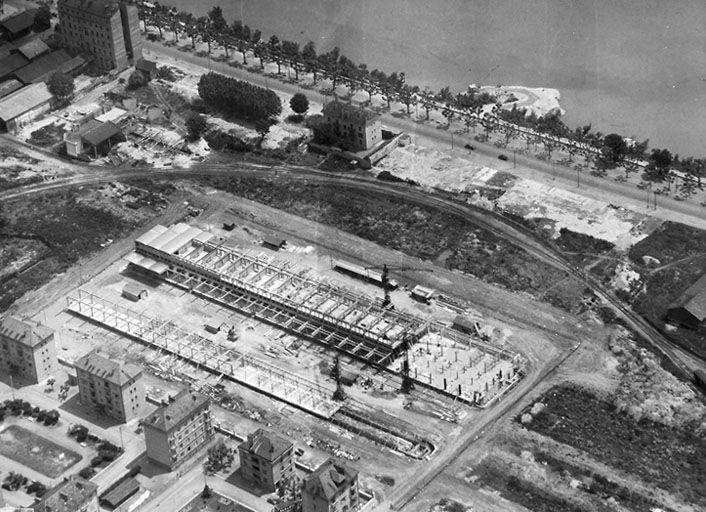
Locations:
(41, 68)
(359, 128)
(74, 494)
(266, 459)
(689, 310)
(108, 30)
(27, 349)
(176, 431)
(365, 274)
(24, 106)
(333, 487)
(94, 137)
(111, 388)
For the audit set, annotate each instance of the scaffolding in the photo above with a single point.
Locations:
(205, 354)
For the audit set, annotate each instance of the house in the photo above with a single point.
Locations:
(689, 310)
(274, 243)
(178, 430)
(24, 106)
(32, 49)
(110, 387)
(266, 459)
(107, 30)
(147, 68)
(27, 349)
(359, 129)
(134, 292)
(18, 25)
(333, 487)
(74, 494)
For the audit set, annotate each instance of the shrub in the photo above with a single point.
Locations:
(87, 472)
(61, 84)
(299, 103)
(195, 125)
(137, 79)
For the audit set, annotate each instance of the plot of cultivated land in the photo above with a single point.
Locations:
(36, 452)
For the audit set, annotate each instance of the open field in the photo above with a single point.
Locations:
(36, 452)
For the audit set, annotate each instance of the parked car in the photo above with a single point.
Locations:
(502, 157)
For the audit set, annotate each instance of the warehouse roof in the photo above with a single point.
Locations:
(330, 480)
(693, 300)
(40, 69)
(266, 445)
(33, 48)
(101, 133)
(147, 263)
(19, 22)
(107, 369)
(12, 63)
(68, 496)
(23, 100)
(171, 239)
(9, 86)
(121, 493)
(26, 333)
(170, 416)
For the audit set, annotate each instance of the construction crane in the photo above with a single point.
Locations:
(407, 380)
(385, 279)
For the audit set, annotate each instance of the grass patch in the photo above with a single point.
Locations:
(36, 452)
(670, 458)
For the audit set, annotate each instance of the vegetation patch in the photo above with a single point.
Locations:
(670, 458)
(36, 452)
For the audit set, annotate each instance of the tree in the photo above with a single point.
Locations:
(274, 48)
(310, 59)
(220, 457)
(137, 79)
(206, 493)
(291, 52)
(215, 16)
(238, 98)
(660, 160)
(195, 126)
(299, 103)
(61, 85)
(614, 148)
(42, 18)
(263, 128)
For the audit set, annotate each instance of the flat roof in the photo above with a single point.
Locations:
(40, 69)
(9, 87)
(113, 114)
(23, 100)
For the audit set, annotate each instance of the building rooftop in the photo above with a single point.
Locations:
(145, 65)
(10, 86)
(174, 238)
(19, 22)
(121, 493)
(68, 496)
(11, 63)
(107, 369)
(26, 333)
(33, 48)
(330, 480)
(101, 133)
(23, 100)
(39, 69)
(693, 299)
(102, 8)
(266, 445)
(171, 415)
(350, 113)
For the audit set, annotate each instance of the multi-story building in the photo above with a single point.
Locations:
(27, 349)
(266, 459)
(333, 487)
(74, 494)
(359, 129)
(112, 388)
(179, 429)
(108, 30)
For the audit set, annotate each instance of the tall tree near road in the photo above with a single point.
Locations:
(614, 148)
(274, 49)
(291, 52)
(215, 16)
(310, 59)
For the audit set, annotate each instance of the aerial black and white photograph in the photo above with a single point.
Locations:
(352, 256)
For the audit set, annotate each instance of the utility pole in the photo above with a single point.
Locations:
(514, 159)
(452, 140)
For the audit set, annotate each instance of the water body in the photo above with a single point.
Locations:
(636, 67)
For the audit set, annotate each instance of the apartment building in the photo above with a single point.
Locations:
(110, 387)
(359, 128)
(108, 30)
(333, 487)
(179, 429)
(27, 349)
(266, 459)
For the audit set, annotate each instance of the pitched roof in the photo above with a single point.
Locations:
(19, 22)
(23, 100)
(344, 111)
(693, 299)
(121, 493)
(266, 445)
(107, 369)
(29, 334)
(33, 48)
(101, 133)
(10, 86)
(103, 8)
(12, 63)
(40, 69)
(171, 415)
(330, 480)
(68, 496)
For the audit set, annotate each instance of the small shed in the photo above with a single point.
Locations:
(274, 243)
(134, 292)
(347, 376)
(147, 68)
(120, 494)
(422, 293)
(102, 138)
(212, 326)
(464, 324)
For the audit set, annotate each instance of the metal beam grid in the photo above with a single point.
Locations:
(202, 352)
